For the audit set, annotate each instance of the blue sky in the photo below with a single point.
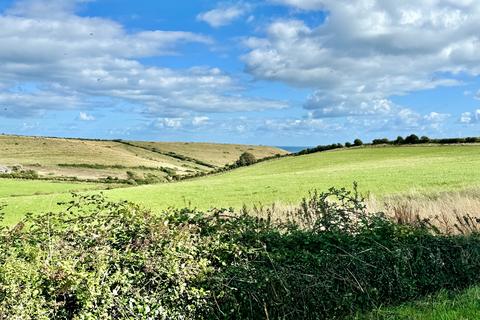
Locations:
(275, 72)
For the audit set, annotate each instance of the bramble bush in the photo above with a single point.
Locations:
(328, 259)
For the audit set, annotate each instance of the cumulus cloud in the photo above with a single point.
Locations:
(470, 117)
(224, 14)
(367, 51)
(75, 60)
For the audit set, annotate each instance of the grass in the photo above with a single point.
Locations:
(215, 154)
(442, 306)
(21, 195)
(45, 154)
(380, 171)
(15, 188)
(445, 210)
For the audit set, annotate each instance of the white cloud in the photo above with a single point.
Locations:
(299, 125)
(83, 116)
(435, 117)
(171, 123)
(74, 61)
(368, 51)
(223, 15)
(470, 117)
(200, 121)
(22, 104)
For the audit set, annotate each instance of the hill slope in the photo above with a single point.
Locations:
(88, 159)
(381, 171)
(377, 170)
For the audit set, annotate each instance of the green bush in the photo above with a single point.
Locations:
(331, 258)
(246, 159)
(18, 173)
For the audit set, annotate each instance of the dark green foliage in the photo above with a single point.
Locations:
(412, 139)
(380, 141)
(321, 148)
(134, 178)
(246, 159)
(357, 142)
(424, 139)
(18, 173)
(399, 140)
(104, 260)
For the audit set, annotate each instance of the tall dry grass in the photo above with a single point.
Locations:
(452, 212)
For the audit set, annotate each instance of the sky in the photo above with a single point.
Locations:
(272, 72)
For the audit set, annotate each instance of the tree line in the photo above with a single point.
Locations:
(408, 140)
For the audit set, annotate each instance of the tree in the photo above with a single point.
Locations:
(348, 144)
(412, 139)
(381, 141)
(246, 159)
(357, 142)
(399, 140)
(424, 139)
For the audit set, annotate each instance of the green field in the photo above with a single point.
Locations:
(444, 306)
(16, 188)
(16, 193)
(380, 171)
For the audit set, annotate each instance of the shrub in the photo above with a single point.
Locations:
(246, 159)
(19, 173)
(109, 260)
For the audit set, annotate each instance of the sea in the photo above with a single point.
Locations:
(293, 149)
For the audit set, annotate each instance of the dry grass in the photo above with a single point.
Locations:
(450, 212)
(212, 153)
(454, 212)
(45, 154)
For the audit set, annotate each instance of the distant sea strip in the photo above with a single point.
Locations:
(293, 149)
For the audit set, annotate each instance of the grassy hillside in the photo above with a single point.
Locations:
(378, 170)
(86, 159)
(381, 171)
(214, 154)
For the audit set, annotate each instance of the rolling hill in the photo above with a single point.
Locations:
(97, 159)
(378, 170)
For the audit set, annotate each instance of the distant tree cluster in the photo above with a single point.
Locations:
(414, 139)
(408, 140)
(322, 148)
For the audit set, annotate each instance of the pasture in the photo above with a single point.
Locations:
(380, 171)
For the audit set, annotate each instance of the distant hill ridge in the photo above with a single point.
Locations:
(120, 160)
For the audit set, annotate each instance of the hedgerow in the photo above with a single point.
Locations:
(331, 258)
